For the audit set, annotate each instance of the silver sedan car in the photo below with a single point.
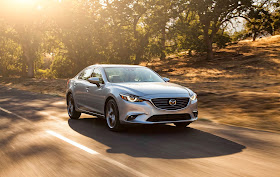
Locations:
(129, 94)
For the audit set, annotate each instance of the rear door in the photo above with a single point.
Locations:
(80, 89)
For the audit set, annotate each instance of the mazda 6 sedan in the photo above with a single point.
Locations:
(129, 94)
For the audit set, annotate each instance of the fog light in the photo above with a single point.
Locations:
(195, 114)
(131, 117)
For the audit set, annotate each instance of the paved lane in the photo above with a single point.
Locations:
(27, 147)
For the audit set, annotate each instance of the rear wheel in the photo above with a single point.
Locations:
(181, 124)
(73, 114)
(112, 116)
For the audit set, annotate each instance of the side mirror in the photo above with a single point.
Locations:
(94, 80)
(166, 79)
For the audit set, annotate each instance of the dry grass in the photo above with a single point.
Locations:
(55, 87)
(241, 86)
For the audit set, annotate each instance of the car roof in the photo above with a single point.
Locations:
(115, 65)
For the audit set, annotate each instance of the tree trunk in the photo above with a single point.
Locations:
(254, 37)
(138, 54)
(254, 33)
(162, 55)
(23, 68)
(190, 52)
(29, 60)
(5, 71)
(137, 58)
(210, 55)
(142, 44)
(208, 41)
(30, 72)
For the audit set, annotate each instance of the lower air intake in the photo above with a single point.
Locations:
(169, 117)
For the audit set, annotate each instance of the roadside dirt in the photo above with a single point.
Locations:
(56, 87)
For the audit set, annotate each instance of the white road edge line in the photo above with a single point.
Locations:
(72, 142)
(5, 110)
(136, 173)
(131, 170)
(9, 112)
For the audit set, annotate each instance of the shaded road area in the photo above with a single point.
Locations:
(38, 139)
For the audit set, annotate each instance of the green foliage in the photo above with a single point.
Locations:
(64, 37)
(61, 67)
(10, 56)
(44, 74)
(259, 21)
(215, 13)
(276, 17)
(239, 35)
(222, 39)
(187, 33)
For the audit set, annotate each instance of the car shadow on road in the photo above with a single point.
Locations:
(156, 141)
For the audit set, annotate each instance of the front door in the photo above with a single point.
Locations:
(96, 95)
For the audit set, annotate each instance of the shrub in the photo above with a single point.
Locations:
(61, 67)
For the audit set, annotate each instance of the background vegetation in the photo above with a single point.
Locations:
(57, 38)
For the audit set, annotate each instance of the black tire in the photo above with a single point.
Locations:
(182, 125)
(73, 114)
(112, 116)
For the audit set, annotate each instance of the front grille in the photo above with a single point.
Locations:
(163, 103)
(169, 117)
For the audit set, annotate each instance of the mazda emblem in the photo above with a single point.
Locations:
(172, 102)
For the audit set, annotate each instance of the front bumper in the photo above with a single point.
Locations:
(140, 112)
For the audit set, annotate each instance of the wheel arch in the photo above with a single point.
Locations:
(107, 99)
(67, 95)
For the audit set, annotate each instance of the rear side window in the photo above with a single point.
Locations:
(86, 74)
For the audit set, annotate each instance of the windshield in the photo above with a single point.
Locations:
(131, 74)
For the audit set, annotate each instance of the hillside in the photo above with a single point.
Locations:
(241, 86)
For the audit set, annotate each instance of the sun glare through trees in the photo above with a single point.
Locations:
(44, 37)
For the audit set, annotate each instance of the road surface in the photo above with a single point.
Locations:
(38, 139)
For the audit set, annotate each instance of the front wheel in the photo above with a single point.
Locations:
(112, 116)
(73, 114)
(181, 124)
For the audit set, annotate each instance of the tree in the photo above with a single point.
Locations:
(239, 35)
(10, 53)
(123, 39)
(163, 16)
(276, 17)
(259, 20)
(27, 20)
(76, 27)
(186, 33)
(75, 34)
(214, 13)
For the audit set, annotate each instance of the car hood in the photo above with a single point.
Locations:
(152, 88)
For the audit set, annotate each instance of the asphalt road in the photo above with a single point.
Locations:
(38, 139)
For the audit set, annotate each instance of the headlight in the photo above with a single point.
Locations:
(131, 98)
(193, 96)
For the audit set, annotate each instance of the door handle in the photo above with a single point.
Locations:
(87, 89)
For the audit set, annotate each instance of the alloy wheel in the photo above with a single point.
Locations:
(111, 116)
(70, 106)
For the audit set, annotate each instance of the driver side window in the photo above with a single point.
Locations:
(97, 73)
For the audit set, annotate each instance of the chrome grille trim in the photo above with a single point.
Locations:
(163, 103)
